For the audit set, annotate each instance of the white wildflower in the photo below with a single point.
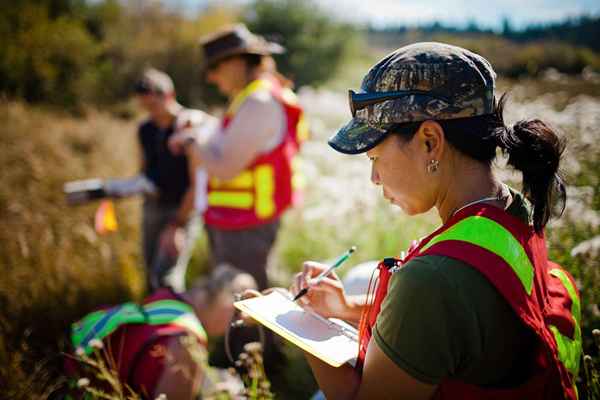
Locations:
(96, 344)
(83, 382)
(80, 351)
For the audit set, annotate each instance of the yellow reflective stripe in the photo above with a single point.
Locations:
(265, 191)
(569, 350)
(493, 237)
(243, 181)
(298, 180)
(254, 86)
(242, 200)
(302, 131)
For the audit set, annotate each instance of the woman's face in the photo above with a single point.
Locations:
(228, 75)
(400, 167)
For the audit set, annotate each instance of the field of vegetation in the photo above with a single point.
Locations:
(55, 267)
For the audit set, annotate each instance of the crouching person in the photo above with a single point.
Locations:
(151, 346)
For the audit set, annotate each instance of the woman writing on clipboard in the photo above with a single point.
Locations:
(474, 310)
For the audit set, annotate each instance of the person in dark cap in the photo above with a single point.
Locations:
(166, 216)
(249, 160)
(475, 310)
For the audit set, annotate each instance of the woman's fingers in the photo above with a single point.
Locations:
(249, 294)
(313, 268)
(327, 285)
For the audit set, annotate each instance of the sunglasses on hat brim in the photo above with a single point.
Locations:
(358, 101)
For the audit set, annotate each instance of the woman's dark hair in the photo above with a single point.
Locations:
(267, 64)
(532, 148)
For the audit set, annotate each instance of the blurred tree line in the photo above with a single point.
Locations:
(75, 52)
(569, 46)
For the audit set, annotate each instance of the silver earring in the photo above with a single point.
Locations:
(432, 166)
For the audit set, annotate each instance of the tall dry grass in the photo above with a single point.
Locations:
(54, 267)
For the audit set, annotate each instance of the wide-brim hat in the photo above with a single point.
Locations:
(235, 40)
(418, 82)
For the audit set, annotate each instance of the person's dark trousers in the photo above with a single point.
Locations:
(247, 249)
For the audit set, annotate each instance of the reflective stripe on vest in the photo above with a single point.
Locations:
(100, 324)
(259, 84)
(569, 350)
(261, 178)
(490, 235)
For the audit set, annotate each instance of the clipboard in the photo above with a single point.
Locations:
(331, 340)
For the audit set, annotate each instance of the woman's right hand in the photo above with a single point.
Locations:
(326, 298)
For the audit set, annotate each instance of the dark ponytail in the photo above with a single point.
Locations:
(534, 149)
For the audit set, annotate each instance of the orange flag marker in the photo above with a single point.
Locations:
(105, 220)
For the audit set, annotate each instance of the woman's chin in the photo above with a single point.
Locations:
(406, 208)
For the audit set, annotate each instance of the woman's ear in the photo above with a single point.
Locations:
(431, 135)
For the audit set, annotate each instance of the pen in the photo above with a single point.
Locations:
(326, 272)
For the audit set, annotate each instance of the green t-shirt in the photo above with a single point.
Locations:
(443, 319)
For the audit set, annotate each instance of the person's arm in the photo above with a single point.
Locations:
(259, 120)
(182, 376)
(187, 202)
(172, 234)
(425, 332)
(381, 379)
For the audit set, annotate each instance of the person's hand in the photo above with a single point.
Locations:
(171, 240)
(180, 139)
(326, 298)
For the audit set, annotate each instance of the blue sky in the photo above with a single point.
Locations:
(460, 12)
(455, 12)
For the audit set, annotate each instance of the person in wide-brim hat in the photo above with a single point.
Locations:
(249, 159)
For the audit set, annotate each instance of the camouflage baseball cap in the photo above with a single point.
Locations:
(418, 82)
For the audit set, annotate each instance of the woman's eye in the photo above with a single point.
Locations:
(372, 159)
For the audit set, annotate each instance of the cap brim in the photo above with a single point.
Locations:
(358, 137)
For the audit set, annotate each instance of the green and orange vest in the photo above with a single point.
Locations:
(543, 295)
(264, 189)
(100, 324)
(129, 331)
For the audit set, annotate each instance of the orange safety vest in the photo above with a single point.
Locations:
(542, 294)
(262, 191)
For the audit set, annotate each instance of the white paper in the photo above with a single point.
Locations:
(333, 341)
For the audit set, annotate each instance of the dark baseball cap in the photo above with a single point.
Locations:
(418, 82)
(154, 81)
